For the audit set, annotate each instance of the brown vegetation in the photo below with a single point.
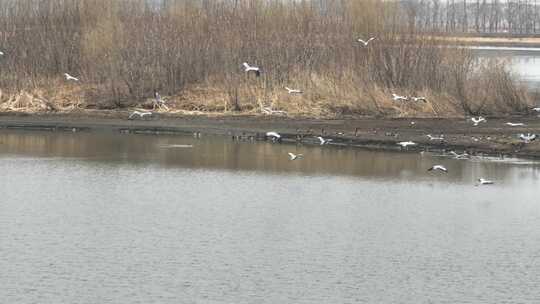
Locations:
(192, 51)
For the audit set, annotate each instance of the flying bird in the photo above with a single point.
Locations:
(482, 181)
(364, 42)
(478, 120)
(438, 168)
(293, 156)
(527, 138)
(140, 114)
(431, 137)
(254, 69)
(396, 97)
(324, 141)
(537, 109)
(419, 99)
(405, 144)
(274, 136)
(2, 53)
(460, 156)
(69, 77)
(518, 124)
(293, 91)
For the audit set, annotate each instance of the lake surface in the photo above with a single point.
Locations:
(110, 218)
(525, 62)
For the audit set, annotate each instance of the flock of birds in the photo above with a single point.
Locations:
(524, 137)
(160, 103)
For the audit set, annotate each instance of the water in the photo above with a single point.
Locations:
(106, 218)
(525, 62)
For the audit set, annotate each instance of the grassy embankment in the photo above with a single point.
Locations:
(192, 54)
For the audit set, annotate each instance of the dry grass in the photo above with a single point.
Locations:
(192, 53)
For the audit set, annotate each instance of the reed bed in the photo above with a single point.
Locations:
(192, 53)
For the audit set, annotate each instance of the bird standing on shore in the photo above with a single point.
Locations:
(431, 137)
(517, 124)
(365, 43)
(140, 114)
(159, 102)
(69, 77)
(323, 140)
(293, 91)
(478, 120)
(482, 181)
(396, 97)
(405, 144)
(419, 99)
(293, 156)
(254, 69)
(438, 168)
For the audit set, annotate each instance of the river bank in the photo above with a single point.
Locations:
(492, 137)
(493, 41)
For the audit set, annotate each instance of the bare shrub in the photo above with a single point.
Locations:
(192, 51)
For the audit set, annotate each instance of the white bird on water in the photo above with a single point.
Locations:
(396, 97)
(517, 124)
(431, 137)
(478, 120)
(483, 181)
(405, 144)
(366, 42)
(324, 141)
(293, 91)
(293, 156)
(254, 69)
(69, 77)
(438, 168)
(527, 138)
(140, 114)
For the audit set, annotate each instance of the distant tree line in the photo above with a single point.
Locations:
(473, 16)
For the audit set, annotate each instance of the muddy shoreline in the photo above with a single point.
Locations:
(493, 137)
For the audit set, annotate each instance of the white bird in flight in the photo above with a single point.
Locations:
(483, 181)
(465, 155)
(2, 53)
(438, 168)
(537, 109)
(274, 136)
(293, 156)
(396, 97)
(405, 144)
(478, 120)
(517, 124)
(293, 91)
(248, 68)
(527, 138)
(431, 137)
(140, 114)
(364, 42)
(69, 77)
(324, 141)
